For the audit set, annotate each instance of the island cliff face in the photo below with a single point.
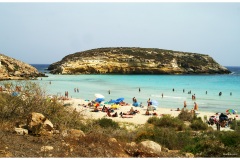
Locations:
(124, 60)
(12, 69)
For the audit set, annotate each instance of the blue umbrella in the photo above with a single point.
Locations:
(154, 103)
(99, 100)
(119, 100)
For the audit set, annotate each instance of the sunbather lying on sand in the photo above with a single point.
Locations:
(148, 113)
(126, 116)
(131, 112)
(123, 104)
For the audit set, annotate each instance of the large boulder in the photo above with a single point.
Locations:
(149, 149)
(143, 149)
(73, 133)
(37, 123)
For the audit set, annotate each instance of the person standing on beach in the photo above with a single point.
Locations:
(195, 106)
(162, 95)
(139, 90)
(149, 102)
(184, 104)
(67, 94)
(173, 89)
(109, 92)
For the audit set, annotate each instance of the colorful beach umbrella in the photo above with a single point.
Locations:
(232, 111)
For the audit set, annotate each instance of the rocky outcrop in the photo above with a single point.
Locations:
(12, 69)
(37, 123)
(136, 61)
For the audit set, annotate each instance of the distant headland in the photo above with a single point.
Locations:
(132, 60)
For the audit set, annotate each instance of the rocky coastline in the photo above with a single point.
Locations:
(12, 69)
(126, 60)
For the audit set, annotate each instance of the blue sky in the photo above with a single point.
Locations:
(43, 33)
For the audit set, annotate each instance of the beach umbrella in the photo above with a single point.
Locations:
(119, 100)
(232, 111)
(99, 100)
(154, 103)
(97, 95)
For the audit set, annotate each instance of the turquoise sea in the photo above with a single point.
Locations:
(152, 86)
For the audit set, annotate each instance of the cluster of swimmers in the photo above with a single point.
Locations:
(76, 90)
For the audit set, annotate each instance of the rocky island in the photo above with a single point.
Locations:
(130, 60)
(12, 69)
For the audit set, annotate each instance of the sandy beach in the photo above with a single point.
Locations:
(139, 118)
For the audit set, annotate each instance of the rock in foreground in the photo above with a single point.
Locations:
(136, 61)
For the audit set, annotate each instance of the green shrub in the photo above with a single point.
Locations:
(230, 138)
(167, 122)
(107, 123)
(209, 148)
(198, 124)
(167, 137)
(185, 115)
(235, 125)
(152, 120)
(32, 98)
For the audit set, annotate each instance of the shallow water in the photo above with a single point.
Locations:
(153, 86)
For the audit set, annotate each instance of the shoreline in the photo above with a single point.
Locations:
(139, 118)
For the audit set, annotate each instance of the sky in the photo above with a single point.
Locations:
(43, 33)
